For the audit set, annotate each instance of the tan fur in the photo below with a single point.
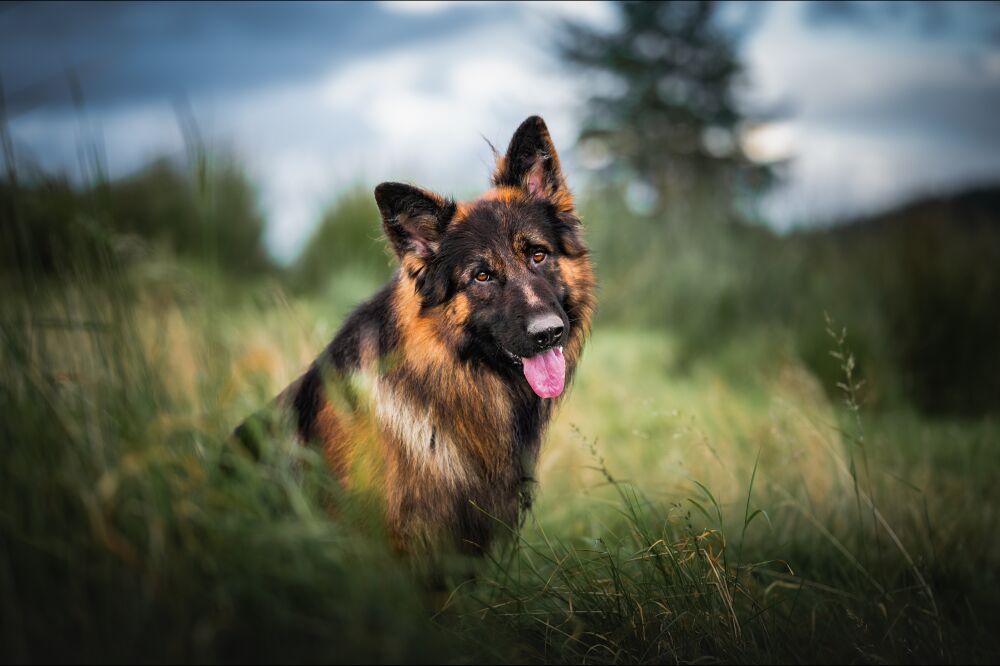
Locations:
(502, 193)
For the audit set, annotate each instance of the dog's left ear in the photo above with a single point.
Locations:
(531, 163)
(414, 219)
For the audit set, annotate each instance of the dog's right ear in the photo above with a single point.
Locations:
(414, 219)
(532, 164)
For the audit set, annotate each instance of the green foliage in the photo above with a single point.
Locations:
(915, 286)
(51, 228)
(212, 218)
(940, 305)
(347, 243)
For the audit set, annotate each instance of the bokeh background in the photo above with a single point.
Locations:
(782, 442)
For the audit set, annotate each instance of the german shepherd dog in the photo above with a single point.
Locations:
(435, 392)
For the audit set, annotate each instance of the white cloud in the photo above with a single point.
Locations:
(591, 11)
(416, 6)
(408, 114)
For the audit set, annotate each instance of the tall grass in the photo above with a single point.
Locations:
(122, 535)
(678, 519)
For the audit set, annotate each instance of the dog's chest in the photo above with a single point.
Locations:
(441, 483)
(430, 448)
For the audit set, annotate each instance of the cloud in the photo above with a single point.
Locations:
(875, 121)
(132, 52)
(402, 114)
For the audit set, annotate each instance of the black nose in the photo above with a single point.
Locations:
(545, 330)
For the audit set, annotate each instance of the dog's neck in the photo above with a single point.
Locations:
(466, 401)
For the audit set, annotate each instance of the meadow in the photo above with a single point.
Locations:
(746, 468)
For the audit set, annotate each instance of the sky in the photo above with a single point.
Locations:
(871, 103)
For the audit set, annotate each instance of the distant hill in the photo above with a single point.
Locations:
(931, 269)
(973, 210)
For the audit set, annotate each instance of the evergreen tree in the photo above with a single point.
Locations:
(663, 104)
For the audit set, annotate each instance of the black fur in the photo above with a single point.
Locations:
(342, 356)
(529, 142)
(307, 401)
(374, 315)
(413, 219)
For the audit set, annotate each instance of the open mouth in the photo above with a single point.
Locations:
(545, 372)
(512, 357)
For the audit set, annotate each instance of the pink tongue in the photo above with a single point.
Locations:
(546, 372)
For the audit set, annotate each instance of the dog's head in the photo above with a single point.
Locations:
(510, 266)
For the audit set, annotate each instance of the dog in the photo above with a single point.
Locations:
(435, 393)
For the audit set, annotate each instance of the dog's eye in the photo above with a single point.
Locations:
(538, 256)
(483, 276)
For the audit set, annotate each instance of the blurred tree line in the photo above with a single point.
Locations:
(208, 214)
(349, 234)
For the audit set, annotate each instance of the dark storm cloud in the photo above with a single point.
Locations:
(125, 53)
(977, 20)
(965, 116)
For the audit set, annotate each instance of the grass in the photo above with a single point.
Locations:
(717, 509)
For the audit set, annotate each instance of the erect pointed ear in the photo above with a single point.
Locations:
(532, 164)
(414, 220)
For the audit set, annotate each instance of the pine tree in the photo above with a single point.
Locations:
(663, 102)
